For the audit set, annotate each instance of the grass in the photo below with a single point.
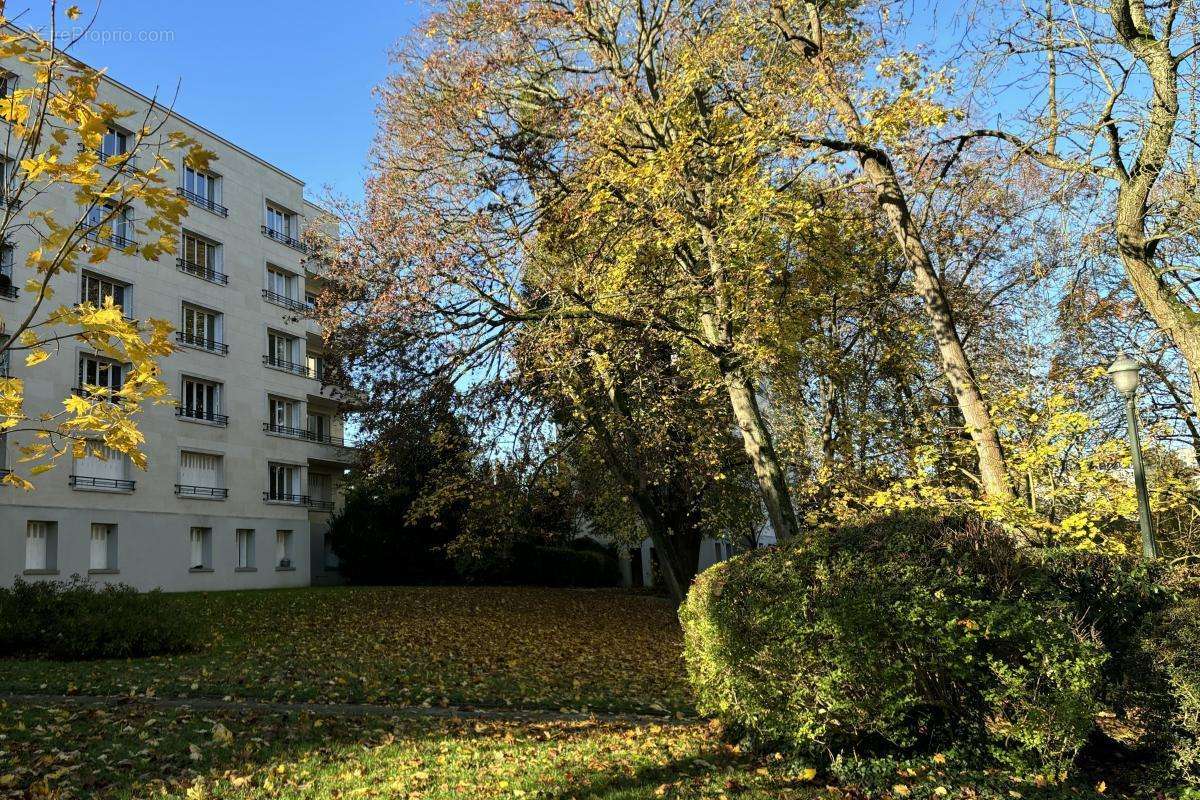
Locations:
(509, 647)
(136, 750)
(531, 648)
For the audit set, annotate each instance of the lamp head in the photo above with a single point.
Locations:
(1126, 374)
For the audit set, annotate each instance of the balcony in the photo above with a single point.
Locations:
(292, 499)
(115, 240)
(283, 238)
(203, 202)
(325, 438)
(277, 299)
(284, 430)
(320, 505)
(200, 343)
(205, 492)
(108, 484)
(201, 271)
(201, 414)
(289, 366)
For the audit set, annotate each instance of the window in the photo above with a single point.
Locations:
(320, 487)
(115, 142)
(284, 482)
(201, 252)
(331, 557)
(118, 221)
(283, 549)
(201, 400)
(201, 546)
(6, 271)
(315, 362)
(41, 546)
(310, 300)
(97, 290)
(101, 468)
(318, 426)
(201, 327)
(280, 221)
(200, 471)
(281, 283)
(245, 548)
(101, 372)
(283, 412)
(104, 547)
(8, 82)
(203, 185)
(281, 349)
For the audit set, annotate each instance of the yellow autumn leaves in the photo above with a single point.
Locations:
(58, 106)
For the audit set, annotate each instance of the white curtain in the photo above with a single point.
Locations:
(35, 545)
(100, 534)
(200, 469)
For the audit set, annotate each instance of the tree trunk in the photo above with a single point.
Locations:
(756, 438)
(890, 197)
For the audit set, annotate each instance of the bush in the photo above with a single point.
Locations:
(1163, 686)
(908, 636)
(74, 620)
(578, 563)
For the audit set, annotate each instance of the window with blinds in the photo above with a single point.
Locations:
(103, 547)
(320, 487)
(40, 546)
(101, 462)
(200, 469)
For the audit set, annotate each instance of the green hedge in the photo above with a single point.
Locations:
(913, 635)
(75, 620)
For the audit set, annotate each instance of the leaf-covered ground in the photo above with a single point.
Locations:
(135, 750)
(522, 647)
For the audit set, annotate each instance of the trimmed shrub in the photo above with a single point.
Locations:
(578, 563)
(911, 635)
(75, 620)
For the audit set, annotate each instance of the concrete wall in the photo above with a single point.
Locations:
(153, 520)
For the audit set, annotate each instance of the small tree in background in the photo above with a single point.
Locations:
(56, 131)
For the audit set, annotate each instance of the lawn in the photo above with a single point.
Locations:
(496, 647)
(505, 648)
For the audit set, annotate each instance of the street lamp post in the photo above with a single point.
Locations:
(1126, 374)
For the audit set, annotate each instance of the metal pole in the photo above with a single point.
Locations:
(1149, 543)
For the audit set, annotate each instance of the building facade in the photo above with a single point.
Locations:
(244, 472)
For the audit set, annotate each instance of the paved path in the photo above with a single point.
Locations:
(342, 709)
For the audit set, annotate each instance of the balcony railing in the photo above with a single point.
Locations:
(203, 202)
(289, 366)
(86, 481)
(199, 342)
(283, 238)
(286, 302)
(122, 159)
(303, 433)
(7, 289)
(184, 490)
(201, 414)
(276, 497)
(320, 505)
(114, 240)
(201, 271)
(284, 430)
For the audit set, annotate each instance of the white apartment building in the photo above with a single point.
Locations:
(245, 471)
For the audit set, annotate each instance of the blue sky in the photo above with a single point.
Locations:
(289, 81)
